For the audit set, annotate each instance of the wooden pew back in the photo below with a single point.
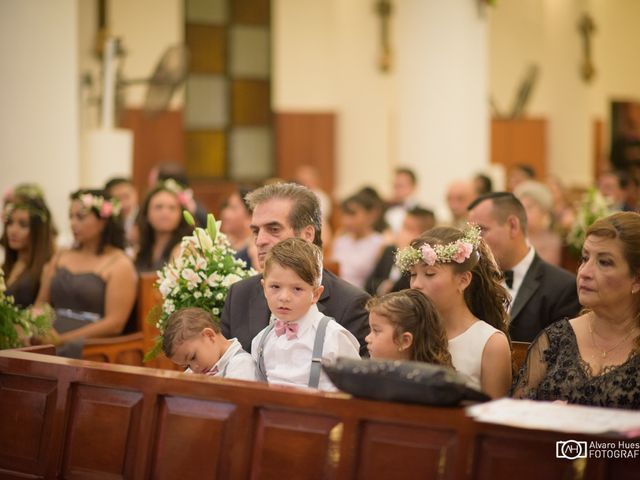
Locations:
(76, 419)
(519, 354)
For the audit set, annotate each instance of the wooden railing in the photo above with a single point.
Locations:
(65, 418)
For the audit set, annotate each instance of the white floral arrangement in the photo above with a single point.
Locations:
(16, 324)
(200, 276)
(458, 251)
(592, 207)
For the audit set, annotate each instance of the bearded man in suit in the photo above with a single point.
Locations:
(541, 293)
(281, 211)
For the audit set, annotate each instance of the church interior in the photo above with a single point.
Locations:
(240, 93)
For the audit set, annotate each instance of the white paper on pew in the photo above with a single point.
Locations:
(557, 416)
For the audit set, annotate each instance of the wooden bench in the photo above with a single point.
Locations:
(519, 354)
(65, 418)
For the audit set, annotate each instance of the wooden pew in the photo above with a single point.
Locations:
(519, 354)
(65, 418)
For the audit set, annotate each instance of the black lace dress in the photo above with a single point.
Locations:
(554, 370)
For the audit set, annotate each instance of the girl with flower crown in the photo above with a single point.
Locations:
(161, 225)
(92, 286)
(457, 271)
(28, 242)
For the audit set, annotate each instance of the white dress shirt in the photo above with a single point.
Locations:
(357, 256)
(288, 362)
(519, 271)
(234, 363)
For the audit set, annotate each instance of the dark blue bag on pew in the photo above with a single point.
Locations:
(398, 381)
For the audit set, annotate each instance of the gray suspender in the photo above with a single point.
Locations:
(316, 356)
(262, 371)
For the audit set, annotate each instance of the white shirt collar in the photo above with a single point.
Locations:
(519, 271)
(228, 355)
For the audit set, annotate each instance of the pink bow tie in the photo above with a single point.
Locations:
(213, 371)
(291, 329)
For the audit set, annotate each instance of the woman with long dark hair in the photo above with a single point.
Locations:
(92, 286)
(28, 242)
(161, 225)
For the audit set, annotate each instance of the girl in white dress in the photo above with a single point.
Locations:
(458, 272)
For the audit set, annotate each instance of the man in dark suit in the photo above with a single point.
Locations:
(541, 293)
(282, 211)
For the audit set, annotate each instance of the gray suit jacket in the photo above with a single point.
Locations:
(246, 311)
(547, 294)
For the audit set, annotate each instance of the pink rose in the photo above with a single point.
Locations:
(464, 252)
(86, 200)
(8, 195)
(429, 255)
(106, 210)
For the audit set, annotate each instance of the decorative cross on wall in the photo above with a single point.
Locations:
(384, 9)
(586, 28)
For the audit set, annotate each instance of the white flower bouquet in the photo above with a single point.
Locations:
(16, 324)
(200, 276)
(592, 207)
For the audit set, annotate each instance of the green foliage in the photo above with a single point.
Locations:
(17, 324)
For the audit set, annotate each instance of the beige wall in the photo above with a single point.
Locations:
(325, 60)
(422, 114)
(546, 32)
(147, 28)
(39, 98)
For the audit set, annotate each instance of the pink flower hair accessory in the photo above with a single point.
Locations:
(457, 251)
(105, 208)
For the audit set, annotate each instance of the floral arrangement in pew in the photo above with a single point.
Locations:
(200, 276)
(18, 325)
(592, 207)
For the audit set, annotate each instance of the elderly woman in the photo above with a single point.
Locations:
(537, 200)
(593, 359)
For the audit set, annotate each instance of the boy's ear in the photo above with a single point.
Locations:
(262, 283)
(317, 291)
(209, 333)
(406, 340)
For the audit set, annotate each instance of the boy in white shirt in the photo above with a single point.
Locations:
(289, 350)
(192, 339)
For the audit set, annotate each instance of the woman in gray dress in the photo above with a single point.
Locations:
(92, 286)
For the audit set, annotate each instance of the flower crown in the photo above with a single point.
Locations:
(105, 208)
(10, 207)
(458, 251)
(185, 195)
